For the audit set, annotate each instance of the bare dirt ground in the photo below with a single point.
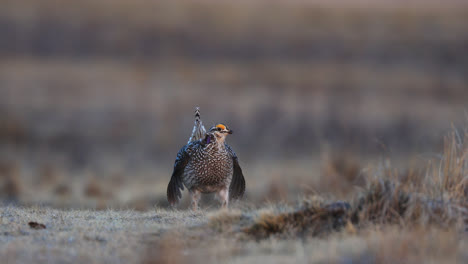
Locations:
(72, 236)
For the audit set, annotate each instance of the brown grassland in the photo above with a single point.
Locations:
(399, 216)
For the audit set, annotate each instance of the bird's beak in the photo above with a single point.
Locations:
(230, 131)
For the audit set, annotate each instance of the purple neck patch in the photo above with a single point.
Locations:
(208, 139)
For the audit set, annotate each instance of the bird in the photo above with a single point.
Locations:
(206, 164)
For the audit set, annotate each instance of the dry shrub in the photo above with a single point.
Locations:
(310, 219)
(409, 198)
(436, 195)
(455, 166)
(381, 201)
(423, 211)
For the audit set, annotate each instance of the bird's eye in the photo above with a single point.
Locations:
(219, 129)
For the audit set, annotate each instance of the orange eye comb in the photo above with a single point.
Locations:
(223, 127)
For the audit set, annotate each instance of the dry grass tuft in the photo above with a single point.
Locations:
(311, 219)
(382, 201)
(410, 198)
(435, 195)
(455, 165)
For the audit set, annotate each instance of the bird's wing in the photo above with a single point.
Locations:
(175, 184)
(237, 187)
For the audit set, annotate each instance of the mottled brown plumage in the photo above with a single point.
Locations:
(207, 165)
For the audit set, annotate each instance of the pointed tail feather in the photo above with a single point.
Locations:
(199, 130)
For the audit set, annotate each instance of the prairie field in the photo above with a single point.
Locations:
(350, 122)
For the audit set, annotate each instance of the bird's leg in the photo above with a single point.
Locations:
(224, 196)
(195, 198)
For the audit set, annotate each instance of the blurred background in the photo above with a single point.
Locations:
(97, 96)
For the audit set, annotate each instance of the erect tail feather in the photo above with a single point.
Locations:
(199, 130)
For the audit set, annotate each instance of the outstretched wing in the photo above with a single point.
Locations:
(175, 184)
(237, 187)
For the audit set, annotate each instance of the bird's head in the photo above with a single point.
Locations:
(220, 131)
